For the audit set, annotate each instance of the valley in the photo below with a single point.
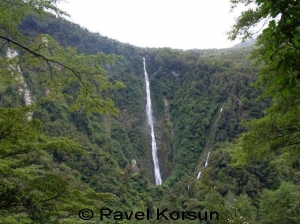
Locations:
(99, 125)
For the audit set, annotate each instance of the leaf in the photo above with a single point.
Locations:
(295, 11)
(272, 24)
(286, 93)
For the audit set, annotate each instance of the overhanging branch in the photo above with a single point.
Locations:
(47, 60)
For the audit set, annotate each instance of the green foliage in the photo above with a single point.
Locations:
(61, 71)
(189, 91)
(278, 49)
(282, 205)
(232, 208)
(32, 186)
(200, 98)
(244, 194)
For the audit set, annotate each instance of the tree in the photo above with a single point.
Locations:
(278, 50)
(232, 208)
(33, 188)
(280, 206)
(63, 72)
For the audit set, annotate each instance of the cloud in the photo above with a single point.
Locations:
(156, 23)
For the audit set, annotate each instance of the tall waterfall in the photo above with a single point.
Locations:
(158, 180)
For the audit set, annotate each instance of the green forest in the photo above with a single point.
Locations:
(75, 144)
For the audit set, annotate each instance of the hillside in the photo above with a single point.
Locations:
(178, 79)
(68, 158)
(245, 44)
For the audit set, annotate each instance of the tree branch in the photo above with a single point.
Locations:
(49, 199)
(48, 60)
(3, 45)
(16, 153)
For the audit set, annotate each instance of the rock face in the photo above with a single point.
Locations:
(23, 87)
(134, 167)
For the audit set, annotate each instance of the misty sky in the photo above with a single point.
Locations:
(184, 24)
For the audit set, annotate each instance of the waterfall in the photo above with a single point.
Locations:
(206, 161)
(158, 180)
(23, 85)
(209, 141)
(198, 176)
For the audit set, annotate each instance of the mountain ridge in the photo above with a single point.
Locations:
(200, 100)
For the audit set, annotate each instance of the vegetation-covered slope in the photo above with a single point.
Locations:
(70, 157)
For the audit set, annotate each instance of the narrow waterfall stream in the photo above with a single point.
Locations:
(157, 175)
(198, 176)
(209, 142)
(206, 161)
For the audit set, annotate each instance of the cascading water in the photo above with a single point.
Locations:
(158, 180)
(198, 176)
(210, 140)
(206, 161)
